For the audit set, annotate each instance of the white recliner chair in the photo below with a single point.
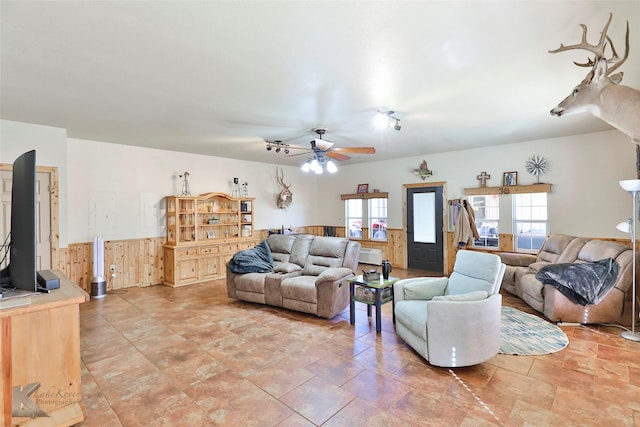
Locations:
(453, 321)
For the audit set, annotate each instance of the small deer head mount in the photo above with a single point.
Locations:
(285, 197)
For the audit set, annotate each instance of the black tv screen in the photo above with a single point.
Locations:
(22, 249)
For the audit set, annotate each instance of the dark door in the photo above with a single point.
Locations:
(424, 229)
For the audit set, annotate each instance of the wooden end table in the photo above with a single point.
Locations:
(377, 288)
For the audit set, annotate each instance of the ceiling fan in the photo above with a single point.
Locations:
(321, 147)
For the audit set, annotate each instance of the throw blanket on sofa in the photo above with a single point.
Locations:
(255, 260)
(583, 283)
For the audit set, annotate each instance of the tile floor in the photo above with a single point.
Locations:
(190, 356)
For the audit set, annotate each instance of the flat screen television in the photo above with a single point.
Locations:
(19, 278)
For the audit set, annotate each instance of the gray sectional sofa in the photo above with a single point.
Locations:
(308, 275)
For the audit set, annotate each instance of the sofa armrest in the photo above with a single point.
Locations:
(334, 274)
(423, 288)
(517, 259)
(333, 294)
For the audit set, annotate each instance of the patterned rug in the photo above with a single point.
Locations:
(528, 335)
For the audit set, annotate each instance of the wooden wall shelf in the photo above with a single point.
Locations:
(510, 189)
(364, 196)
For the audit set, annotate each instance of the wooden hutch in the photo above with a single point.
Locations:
(203, 233)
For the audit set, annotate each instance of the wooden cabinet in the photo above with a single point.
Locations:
(203, 233)
(40, 345)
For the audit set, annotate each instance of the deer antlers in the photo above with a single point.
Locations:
(598, 49)
(280, 179)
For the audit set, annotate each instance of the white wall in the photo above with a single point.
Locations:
(586, 199)
(111, 187)
(119, 189)
(50, 144)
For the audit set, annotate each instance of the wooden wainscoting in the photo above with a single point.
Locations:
(139, 262)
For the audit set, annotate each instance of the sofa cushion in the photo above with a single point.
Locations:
(286, 267)
(250, 282)
(324, 253)
(596, 250)
(301, 288)
(553, 247)
(532, 291)
(300, 250)
(425, 289)
(281, 246)
(471, 274)
(469, 296)
(538, 265)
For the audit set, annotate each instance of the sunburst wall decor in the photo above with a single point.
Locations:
(537, 165)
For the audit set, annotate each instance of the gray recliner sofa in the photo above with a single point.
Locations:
(520, 278)
(308, 276)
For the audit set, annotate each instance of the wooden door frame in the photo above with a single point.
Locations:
(54, 211)
(445, 221)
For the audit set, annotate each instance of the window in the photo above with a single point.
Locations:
(353, 217)
(370, 216)
(487, 213)
(378, 218)
(529, 220)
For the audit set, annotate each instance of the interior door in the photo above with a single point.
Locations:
(425, 244)
(43, 215)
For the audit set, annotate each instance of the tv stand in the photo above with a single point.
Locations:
(15, 293)
(40, 343)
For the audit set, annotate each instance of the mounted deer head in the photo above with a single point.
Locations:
(600, 92)
(286, 196)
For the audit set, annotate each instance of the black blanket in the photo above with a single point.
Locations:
(255, 260)
(583, 283)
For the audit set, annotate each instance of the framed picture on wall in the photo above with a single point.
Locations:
(510, 178)
(363, 188)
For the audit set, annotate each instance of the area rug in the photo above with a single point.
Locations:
(528, 335)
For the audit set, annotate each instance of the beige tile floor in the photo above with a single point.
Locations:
(190, 356)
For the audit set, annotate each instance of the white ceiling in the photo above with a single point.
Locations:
(220, 77)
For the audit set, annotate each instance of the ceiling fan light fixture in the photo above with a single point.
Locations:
(381, 120)
(306, 167)
(315, 166)
(386, 119)
(331, 167)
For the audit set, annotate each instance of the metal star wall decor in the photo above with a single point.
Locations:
(537, 165)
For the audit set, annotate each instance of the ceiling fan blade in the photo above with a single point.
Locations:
(299, 154)
(337, 156)
(355, 150)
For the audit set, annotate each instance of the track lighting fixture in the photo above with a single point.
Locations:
(279, 145)
(386, 119)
